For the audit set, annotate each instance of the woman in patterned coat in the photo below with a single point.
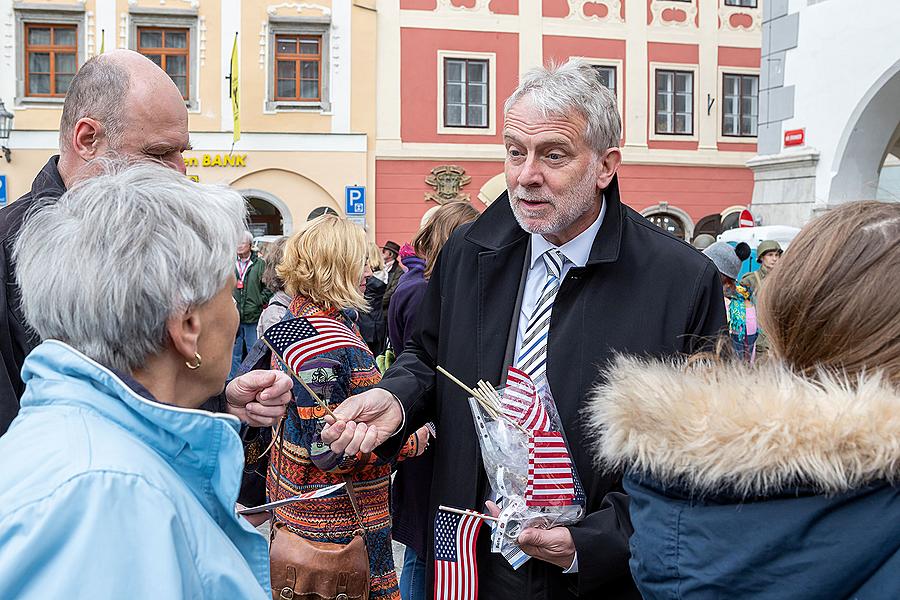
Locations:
(322, 268)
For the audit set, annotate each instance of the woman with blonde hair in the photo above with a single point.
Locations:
(412, 485)
(322, 268)
(780, 479)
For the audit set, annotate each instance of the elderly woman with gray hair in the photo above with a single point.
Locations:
(113, 481)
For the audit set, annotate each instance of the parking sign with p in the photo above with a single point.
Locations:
(355, 195)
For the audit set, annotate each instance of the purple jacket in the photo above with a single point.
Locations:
(412, 484)
(404, 306)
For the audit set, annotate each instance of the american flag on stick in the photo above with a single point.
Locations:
(522, 402)
(311, 495)
(455, 570)
(297, 340)
(551, 478)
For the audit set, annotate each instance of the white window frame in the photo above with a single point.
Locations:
(62, 14)
(619, 66)
(299, 26)
(176, 18)
(695, 127)
(491, 59)
(720, 135)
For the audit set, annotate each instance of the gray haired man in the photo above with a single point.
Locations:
(556, 277)
(119, 103)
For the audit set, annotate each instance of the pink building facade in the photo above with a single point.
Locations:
(685, 73)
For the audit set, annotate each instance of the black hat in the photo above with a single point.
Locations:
(392, 247)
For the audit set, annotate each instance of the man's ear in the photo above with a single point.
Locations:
(184, 332)
(609, 164)
(88, 138)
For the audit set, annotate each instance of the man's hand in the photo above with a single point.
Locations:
(364, 422)
(554, 545)
(258, 398)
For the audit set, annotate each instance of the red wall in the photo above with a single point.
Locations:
(400, 190)
(418, 79)
(699, 191)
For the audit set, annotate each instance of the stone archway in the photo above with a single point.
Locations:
(293, 194)
(869, 136)
(259, 198)
(683, 221)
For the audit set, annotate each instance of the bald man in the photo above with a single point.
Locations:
(119, 104)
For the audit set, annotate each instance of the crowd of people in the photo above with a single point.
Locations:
(734, 437)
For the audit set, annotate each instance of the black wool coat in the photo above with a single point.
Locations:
(16, 338)
(641, 292)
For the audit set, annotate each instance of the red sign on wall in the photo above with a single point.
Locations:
(794, 137)
(746, 219)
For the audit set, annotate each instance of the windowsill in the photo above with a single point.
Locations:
(39, 102)
(444, 130)
(308, 107)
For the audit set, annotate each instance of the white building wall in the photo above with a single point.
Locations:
(841, 84)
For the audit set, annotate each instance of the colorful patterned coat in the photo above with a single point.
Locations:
(305, 463)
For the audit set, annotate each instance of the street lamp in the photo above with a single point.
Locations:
(6, 119)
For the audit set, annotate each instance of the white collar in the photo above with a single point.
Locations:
(577, 250)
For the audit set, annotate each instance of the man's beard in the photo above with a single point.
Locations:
(579, 200)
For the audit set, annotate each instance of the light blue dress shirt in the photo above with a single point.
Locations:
(577, 251)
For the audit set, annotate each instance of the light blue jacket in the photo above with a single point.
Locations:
(106, 494)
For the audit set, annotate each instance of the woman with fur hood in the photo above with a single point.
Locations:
(775, 480)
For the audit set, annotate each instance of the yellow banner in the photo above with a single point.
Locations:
(235, 91)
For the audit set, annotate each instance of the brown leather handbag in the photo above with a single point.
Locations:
(303, 569)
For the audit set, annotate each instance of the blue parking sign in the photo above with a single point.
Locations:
(355, 195)
(2, 191)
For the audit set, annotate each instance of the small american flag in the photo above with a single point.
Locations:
(455, 570)
(311, 495)
(551, 479)
(522, 402)
(298, 340)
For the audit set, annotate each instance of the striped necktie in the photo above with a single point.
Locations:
(533, 352)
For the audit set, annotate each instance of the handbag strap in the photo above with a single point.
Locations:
(351, 492)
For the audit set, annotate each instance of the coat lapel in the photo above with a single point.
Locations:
(499, 273)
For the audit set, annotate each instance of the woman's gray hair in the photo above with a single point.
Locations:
(575, 85)
(103, 268)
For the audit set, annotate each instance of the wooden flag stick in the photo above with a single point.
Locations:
(309, 391)
(491, 394)
(450, 376)
(470, 513)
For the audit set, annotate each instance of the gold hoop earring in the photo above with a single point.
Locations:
(194, 367)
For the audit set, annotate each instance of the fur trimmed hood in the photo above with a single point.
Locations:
(748, 430)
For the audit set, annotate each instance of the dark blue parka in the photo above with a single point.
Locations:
(755, 483)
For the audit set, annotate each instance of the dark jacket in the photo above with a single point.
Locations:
(16, 338)
(642, 291)
(412, 483)
(252, 298)
(392, 282)
(781, 493)
(405, 303)
(371, 322)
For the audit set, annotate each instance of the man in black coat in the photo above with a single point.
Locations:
(119, 104)
(626, 287)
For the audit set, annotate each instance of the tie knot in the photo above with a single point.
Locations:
(554, 260)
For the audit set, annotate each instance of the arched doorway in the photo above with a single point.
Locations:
(872, 133)
(268, 214)
(672, 219)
